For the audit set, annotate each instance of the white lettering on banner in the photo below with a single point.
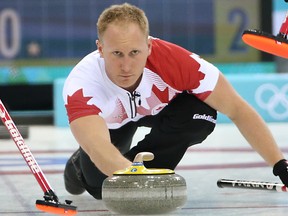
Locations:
(21, 145)
(273, 99)
(10, 42)
(204, 117)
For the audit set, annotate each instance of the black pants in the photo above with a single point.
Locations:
(184, 122)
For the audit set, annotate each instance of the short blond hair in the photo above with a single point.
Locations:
(124, 13)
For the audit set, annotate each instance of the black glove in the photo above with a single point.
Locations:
(281, 169)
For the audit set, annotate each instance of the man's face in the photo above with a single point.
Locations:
(125, 50)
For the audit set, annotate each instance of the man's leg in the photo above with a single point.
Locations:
(72, 175)
(83, 174)
(184, 122)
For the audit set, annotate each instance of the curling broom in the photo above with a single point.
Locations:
(51, 202)
(276, 45)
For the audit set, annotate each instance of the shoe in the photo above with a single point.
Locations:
(72, 175)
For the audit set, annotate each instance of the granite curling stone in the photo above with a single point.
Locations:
(141, 191)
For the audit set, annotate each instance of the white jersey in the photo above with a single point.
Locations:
(169, 71)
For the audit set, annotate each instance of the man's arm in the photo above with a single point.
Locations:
(225, 99)
(93, 136)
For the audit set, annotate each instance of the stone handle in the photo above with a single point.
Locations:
(143, 156)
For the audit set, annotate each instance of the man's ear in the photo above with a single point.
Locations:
(149, 46)
(99, 47)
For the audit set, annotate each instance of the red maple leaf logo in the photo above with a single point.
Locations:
(118, 115)
(163, 96)
(156, 101)
(77, 106)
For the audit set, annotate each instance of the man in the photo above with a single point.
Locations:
(134, 80)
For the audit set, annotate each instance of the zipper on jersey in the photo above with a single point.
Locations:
(132, 99)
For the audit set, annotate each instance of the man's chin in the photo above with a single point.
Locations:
(130, 88)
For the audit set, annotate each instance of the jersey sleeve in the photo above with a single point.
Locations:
(182, 69)
(77, 106)
(79, 92)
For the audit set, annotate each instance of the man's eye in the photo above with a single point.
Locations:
(117, 53)
(135, 52)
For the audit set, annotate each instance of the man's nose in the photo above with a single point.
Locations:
(126, 64)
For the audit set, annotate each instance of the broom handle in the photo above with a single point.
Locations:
(24, 150)
(251, 185)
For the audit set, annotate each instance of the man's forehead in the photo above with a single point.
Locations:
(117, 34)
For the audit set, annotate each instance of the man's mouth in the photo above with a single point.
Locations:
(126, 76)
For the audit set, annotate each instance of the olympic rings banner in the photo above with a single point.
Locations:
(268, 94)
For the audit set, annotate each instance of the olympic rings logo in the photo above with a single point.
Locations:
(273, 99)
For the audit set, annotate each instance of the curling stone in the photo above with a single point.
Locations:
(138, 190)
